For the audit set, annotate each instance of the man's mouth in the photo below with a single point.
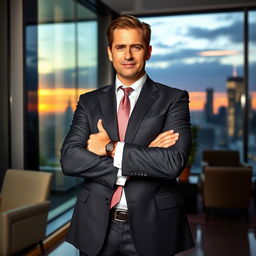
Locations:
(128, 64)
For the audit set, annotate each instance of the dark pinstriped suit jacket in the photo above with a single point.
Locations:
(156, 209)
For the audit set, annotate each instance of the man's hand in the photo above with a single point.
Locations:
(97, 142)
(165, 139)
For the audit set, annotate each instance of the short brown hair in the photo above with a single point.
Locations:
(128, 21)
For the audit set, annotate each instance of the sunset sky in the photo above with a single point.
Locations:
(56, 100)
(191, 52)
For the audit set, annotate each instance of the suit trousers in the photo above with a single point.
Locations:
(118, 241)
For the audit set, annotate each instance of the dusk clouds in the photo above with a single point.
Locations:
(178, 43)
(177, 60)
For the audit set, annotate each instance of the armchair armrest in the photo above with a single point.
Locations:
(23, 226)
(26, 211)
(244, 164)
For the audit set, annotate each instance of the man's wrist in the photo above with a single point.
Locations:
(110, 148)
(114, 150)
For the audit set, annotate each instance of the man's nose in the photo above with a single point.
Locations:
(128, 54)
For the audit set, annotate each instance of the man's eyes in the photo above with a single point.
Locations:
(135, 48)
(120, 47)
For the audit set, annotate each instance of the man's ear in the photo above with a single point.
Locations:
(149, 51)
(109, 54)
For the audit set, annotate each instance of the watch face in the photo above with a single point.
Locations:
(109, 146)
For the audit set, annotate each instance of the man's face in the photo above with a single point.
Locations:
(129, 54)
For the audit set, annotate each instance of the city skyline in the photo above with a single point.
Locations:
(190, 52)
(55, 100)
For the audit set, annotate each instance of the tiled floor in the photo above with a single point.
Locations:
(211, 240)
(214, 240)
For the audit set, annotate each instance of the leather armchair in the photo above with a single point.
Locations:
(222, 158)
(225, 181)
(227, 187)
(24, 210)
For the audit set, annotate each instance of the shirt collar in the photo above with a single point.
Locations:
(136, 86)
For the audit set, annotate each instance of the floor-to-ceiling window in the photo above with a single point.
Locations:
(252, 89)
(61, 63)
(203, 53)
(67, 67)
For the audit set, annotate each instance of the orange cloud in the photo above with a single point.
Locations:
(218, 53)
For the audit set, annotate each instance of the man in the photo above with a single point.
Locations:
(122, 141)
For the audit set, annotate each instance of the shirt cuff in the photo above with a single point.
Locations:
(120, 180)
(119, 155)
(118, 163)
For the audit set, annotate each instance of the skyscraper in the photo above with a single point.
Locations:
(208, 107)
(235, 92)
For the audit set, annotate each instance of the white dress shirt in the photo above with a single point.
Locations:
(137, 86)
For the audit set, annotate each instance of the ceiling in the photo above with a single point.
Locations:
(171, 6)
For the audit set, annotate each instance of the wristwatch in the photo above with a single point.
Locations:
(110, 147)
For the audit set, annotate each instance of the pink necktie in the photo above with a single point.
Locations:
(122, 118)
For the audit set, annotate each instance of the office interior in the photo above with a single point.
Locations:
(51, 51)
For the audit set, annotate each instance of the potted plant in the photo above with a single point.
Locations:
(186, 172)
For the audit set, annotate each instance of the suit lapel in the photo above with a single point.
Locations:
(146, 99)
(108, 107)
